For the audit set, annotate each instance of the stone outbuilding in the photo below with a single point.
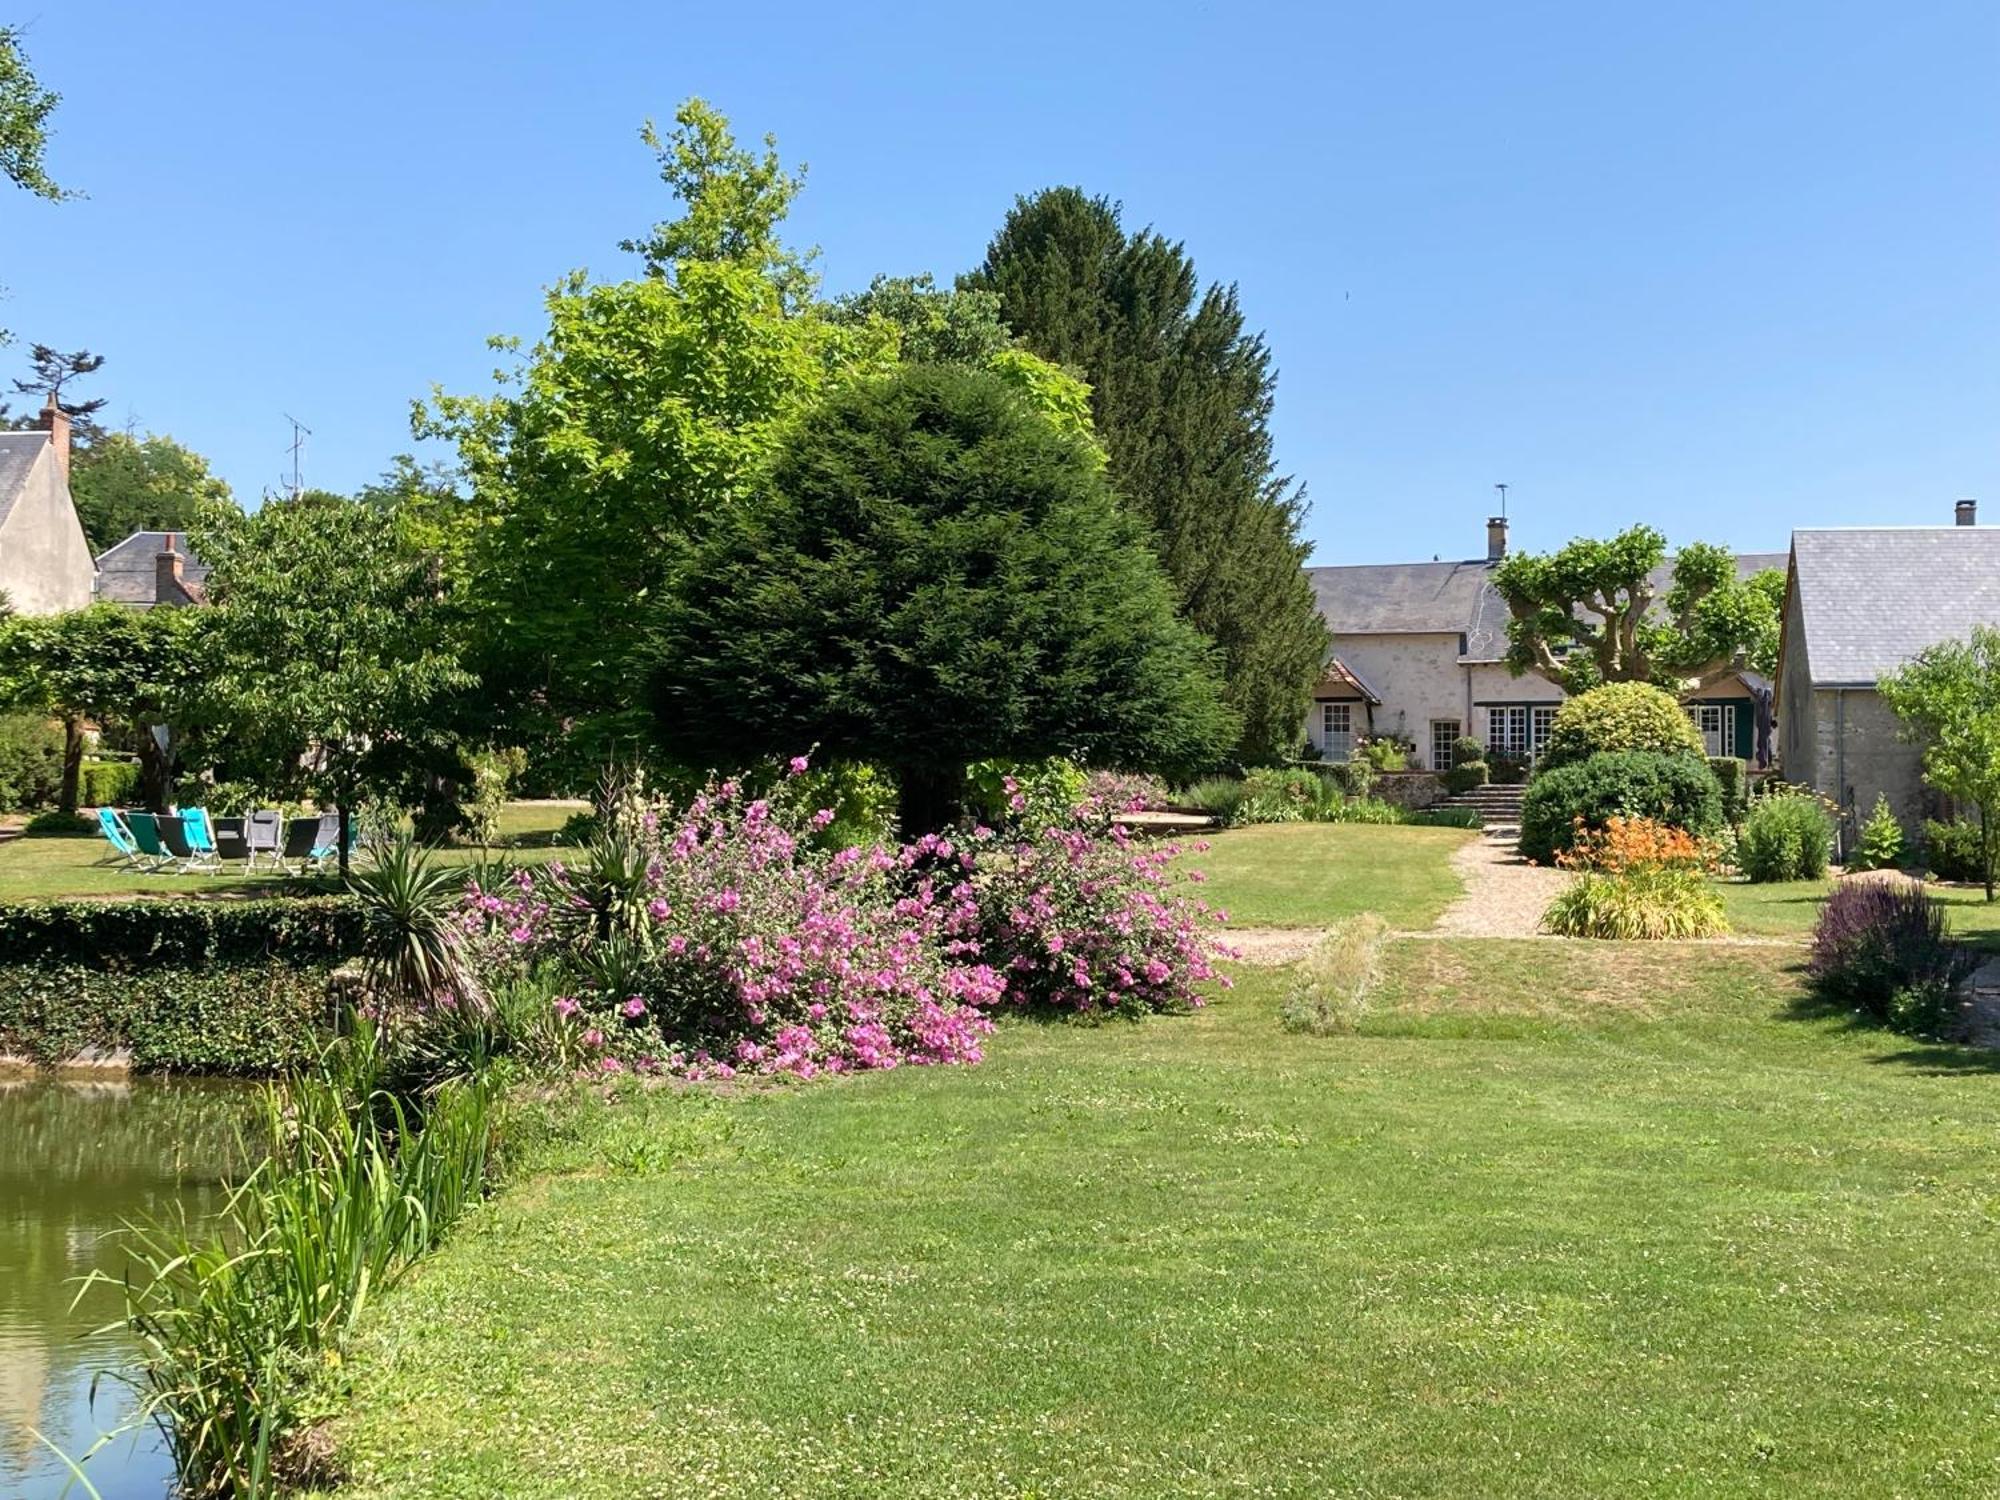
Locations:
(1859, 603)
(45, 563)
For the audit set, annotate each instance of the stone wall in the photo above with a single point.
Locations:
(1859, 752)
(1408, 788)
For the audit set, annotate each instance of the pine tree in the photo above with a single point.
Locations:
(1181, 399)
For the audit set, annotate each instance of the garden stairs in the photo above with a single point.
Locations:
(1497, 806)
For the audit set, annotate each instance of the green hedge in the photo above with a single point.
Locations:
(259, 1017)
(131, 935)
(106, 783)
(191, 986)
(1675, 789)
(1733, 776)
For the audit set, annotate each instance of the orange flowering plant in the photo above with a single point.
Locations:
(1630, 846)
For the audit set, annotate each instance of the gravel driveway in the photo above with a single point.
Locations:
(1505, 896)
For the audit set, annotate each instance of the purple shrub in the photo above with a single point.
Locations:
(1884, 947)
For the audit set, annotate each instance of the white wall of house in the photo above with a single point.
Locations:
(45, 561)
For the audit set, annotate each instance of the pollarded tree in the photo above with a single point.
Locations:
(935, 575)
(1592, 612)
(1949, 702)
(104, 664)
(1181, 398)
(332, 636)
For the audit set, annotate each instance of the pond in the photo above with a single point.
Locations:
(77, 1160)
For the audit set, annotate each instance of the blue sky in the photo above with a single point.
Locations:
(1727, 268)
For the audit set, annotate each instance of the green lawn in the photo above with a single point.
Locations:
(34, 869)
(1578, 1220)
(1314, 874)
(1789, 909)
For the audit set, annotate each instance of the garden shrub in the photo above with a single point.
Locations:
(1465, 776)
(1880, 846)
(1076, 918)
(1384, 753)
(134, 935)
(1218, 796)
(1466, 749)
(1126, 791)
(1331, 984)
(56, 824)
(1732, 774)
(1508, 770)
(1620, 716)
(1884, 948)
(1373, 810)
(31, 757)
(106, 783)
(1675, 789)
(997, 790)
(712, 938)
(1952, 850)
(1637, 879)
(1286, 795)
(1788, 835)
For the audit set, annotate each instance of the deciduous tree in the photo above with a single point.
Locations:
(123, 484)
(1594, 611)
(1949, 702)
(936, 574)
(333, 635)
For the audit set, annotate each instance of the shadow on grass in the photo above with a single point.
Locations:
(1943, 1059)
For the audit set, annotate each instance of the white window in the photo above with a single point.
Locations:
(1540, 722)
(1336, 730)
(1717, 723)
(1507, 731)
(1444, 733)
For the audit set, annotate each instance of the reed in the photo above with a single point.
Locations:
(238, 1316)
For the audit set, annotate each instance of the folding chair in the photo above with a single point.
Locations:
(145, 829)
(125, 850)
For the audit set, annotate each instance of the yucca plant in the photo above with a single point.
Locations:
(414, 953)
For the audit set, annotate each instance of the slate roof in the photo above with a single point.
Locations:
(1872, 597)
(18, 452)
(128, 574)
(1445, 598)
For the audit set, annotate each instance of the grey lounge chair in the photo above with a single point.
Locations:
(183, 850)
(263, 838)
(308, 843)
(231, 838)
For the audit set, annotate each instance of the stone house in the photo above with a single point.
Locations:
(149, 568)
(1419, 653)
(45, 564)
(1859, 603)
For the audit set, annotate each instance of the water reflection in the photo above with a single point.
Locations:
(78, 1159)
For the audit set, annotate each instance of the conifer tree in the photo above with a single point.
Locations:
(1181, 399)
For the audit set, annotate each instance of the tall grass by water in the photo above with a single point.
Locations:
(240, 1318)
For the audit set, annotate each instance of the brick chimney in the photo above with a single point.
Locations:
(55, 422)
(168, 586)
(1966, 512)
(1496, 538)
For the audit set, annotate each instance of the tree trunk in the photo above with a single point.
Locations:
(346, 822)
(927, 799)
(72, 763)
(1988, 854)
(156, 780)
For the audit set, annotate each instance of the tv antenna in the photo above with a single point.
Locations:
(1503, 500)
(300, 432)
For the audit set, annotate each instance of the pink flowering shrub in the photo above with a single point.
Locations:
(1079, 917)
(1127, 791)
(713, 939)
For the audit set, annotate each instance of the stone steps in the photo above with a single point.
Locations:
(1496, 805)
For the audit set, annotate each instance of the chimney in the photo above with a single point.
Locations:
(55, 422)
(1967, 512)
(1496, 538)
(167, 585)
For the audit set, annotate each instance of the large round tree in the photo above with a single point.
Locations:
(935, 574)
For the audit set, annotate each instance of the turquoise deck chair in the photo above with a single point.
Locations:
(125, 848)
(145, 830)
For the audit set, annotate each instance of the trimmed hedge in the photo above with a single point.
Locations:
(1675, 789)
(1732, 774)
(260, 1017)
(1620, 716)
(145, 934)
(196, 986)
(106, 783)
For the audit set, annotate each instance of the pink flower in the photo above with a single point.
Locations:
(593, 1038)
(796, 766)
(658, 910)
(566, 1007)
(633, 1008)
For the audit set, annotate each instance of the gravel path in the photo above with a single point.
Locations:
(1505, 896)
